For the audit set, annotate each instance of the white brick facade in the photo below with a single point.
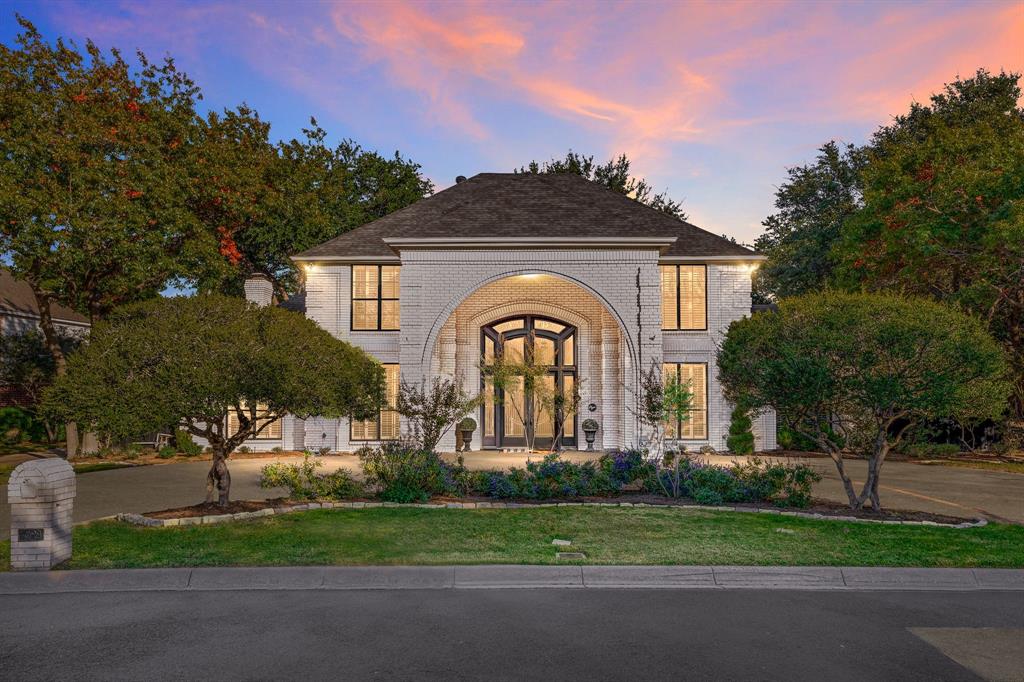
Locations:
(611, 295)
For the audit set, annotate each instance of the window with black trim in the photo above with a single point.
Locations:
(375, 297)
(684, 304)
(695, 375)
(386, 425)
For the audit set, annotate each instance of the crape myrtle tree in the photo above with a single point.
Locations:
(855, 373)
(196, 361)
(94, 177)
(614, 175)
(433, 409)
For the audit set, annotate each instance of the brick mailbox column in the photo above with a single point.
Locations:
(41, 494)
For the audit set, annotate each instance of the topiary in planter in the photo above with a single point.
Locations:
(467, 426)
(589, 427)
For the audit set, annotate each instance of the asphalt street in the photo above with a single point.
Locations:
(513, 634)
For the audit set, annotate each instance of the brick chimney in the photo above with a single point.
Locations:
(259, 289)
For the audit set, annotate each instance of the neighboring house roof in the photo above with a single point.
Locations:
(16, 298)
(525, 205)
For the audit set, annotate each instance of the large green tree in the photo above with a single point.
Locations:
(193, 361)
(94, 177)
(943, 209)
(812, 206)
(614, 175)
(264, 201)
(855, 373)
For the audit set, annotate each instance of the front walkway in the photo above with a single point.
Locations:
(946, 490)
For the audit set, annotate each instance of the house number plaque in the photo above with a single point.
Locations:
(30, 534)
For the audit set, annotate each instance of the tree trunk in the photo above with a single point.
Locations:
(52, 341)
(837, 457)
(219, 478)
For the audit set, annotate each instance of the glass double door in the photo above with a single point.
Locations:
(511, 414)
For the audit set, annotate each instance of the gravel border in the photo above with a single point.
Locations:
(140, 520)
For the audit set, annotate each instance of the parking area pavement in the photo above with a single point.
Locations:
(995, 495)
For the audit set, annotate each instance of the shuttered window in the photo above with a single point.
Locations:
(386, 425)
(695, 375)
(684, 304)
(271, 432)
(375, 304)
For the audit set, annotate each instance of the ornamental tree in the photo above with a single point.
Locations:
(194, 361)
(94, 177)
(943, 209)
(855, 373)
(432, 411)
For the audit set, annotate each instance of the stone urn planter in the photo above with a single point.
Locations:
(589, 427)
(466, 427)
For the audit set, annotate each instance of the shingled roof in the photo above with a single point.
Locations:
(526, 205)
(16, 298)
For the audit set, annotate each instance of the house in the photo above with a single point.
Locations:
(19, 313)
(602, 286)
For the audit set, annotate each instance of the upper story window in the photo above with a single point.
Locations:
(684, 304)
(375, 297)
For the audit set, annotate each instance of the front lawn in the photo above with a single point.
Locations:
(606, 535)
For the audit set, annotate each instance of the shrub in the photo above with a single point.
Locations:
(553, 477)
(932, 450)
(277, 448)
(166, 452)
(305, 483)
(755, 481)
(245, 449)
(15, 424)
(187, 446)
(404, 472)
(626, 466)
(741, 438)
(789, 439)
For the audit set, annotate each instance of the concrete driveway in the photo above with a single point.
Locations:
(958, 492)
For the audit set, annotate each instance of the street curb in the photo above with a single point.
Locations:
(829, 578)
(141, 520)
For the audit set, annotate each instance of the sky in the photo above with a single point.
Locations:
(712, 101)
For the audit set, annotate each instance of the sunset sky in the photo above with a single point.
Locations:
(712, 101)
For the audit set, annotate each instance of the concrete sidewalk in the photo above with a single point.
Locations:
(514, 576)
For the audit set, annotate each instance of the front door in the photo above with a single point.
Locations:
(510, 414)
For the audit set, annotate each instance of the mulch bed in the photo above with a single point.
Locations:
(823, 507)
(214, 509)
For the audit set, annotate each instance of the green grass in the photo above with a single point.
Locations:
(606, 535)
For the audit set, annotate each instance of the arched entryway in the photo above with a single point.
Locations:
(508, 414)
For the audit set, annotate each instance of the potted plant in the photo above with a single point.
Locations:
(589, 427)
(467, 426)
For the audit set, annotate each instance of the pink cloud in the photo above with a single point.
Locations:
(640, 76)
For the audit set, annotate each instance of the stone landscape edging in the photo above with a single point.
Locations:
(141, 520)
